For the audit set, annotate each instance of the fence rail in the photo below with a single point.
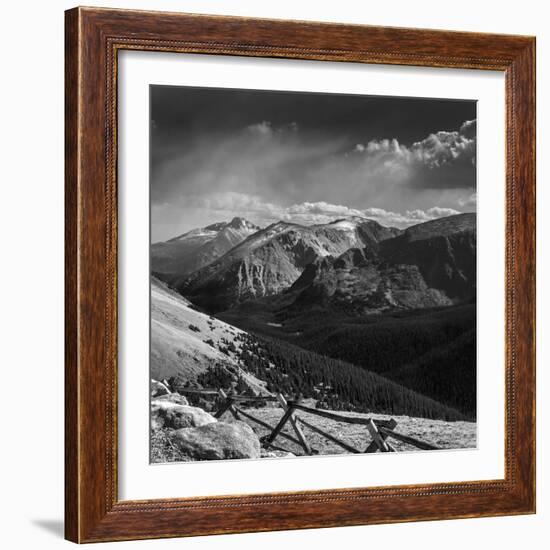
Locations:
(378, 430)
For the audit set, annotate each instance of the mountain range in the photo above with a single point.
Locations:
(281, 307)
(428, 265)
(199, 247)
(354, 263)
(272, 259)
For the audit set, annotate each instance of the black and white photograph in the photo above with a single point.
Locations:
(312, 274)
(277, 270)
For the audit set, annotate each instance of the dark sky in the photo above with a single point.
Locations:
(306, 157)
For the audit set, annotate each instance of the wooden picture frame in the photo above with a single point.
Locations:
(94, 37)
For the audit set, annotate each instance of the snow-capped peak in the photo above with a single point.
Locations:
(345, 224)
(202, 232)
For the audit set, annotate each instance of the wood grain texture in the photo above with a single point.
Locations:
(93, 38)
(71, 273)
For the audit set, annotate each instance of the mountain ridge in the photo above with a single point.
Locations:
(196, 248)
(428, 265)
(272, 259)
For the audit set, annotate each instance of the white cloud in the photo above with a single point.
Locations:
(261, 128)
(443, 148)
(227, 205)
(252, 172)
(387, 146)
(437, 212)
(468, 201)
(435, 151)
(469, 128)
(266, 129)
(323, 208)
(234, 203)
(409, 217)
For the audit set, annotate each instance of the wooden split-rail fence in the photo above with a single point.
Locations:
(379, 430)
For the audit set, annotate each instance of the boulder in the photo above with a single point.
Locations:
(173, 398)
(165, 414)
(217, 441)
(158, 388)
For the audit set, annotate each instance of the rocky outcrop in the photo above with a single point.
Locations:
(165, 414)
(158, 388)
(367, 287)
(217, 441)
(428, 265)
(175, 398)
(444, 251)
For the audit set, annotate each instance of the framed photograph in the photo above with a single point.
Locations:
(300, 275)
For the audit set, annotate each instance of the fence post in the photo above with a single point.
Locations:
(266, 425)
(228, 405)
(270, 438)
(373, 446)
(376, 437)
(297, 429)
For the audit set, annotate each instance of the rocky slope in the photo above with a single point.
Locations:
(444, 251)
(271, 260)
(180, 432)
(430, 264)
(197, 248)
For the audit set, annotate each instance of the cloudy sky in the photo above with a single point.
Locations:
(306, 158)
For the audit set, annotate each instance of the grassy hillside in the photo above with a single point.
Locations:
(185, 342)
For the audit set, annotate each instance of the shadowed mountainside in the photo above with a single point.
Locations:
(431, 351)
(428, 265)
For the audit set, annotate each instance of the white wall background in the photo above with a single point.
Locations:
(31, 153)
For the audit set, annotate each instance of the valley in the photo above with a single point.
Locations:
(350, 315)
